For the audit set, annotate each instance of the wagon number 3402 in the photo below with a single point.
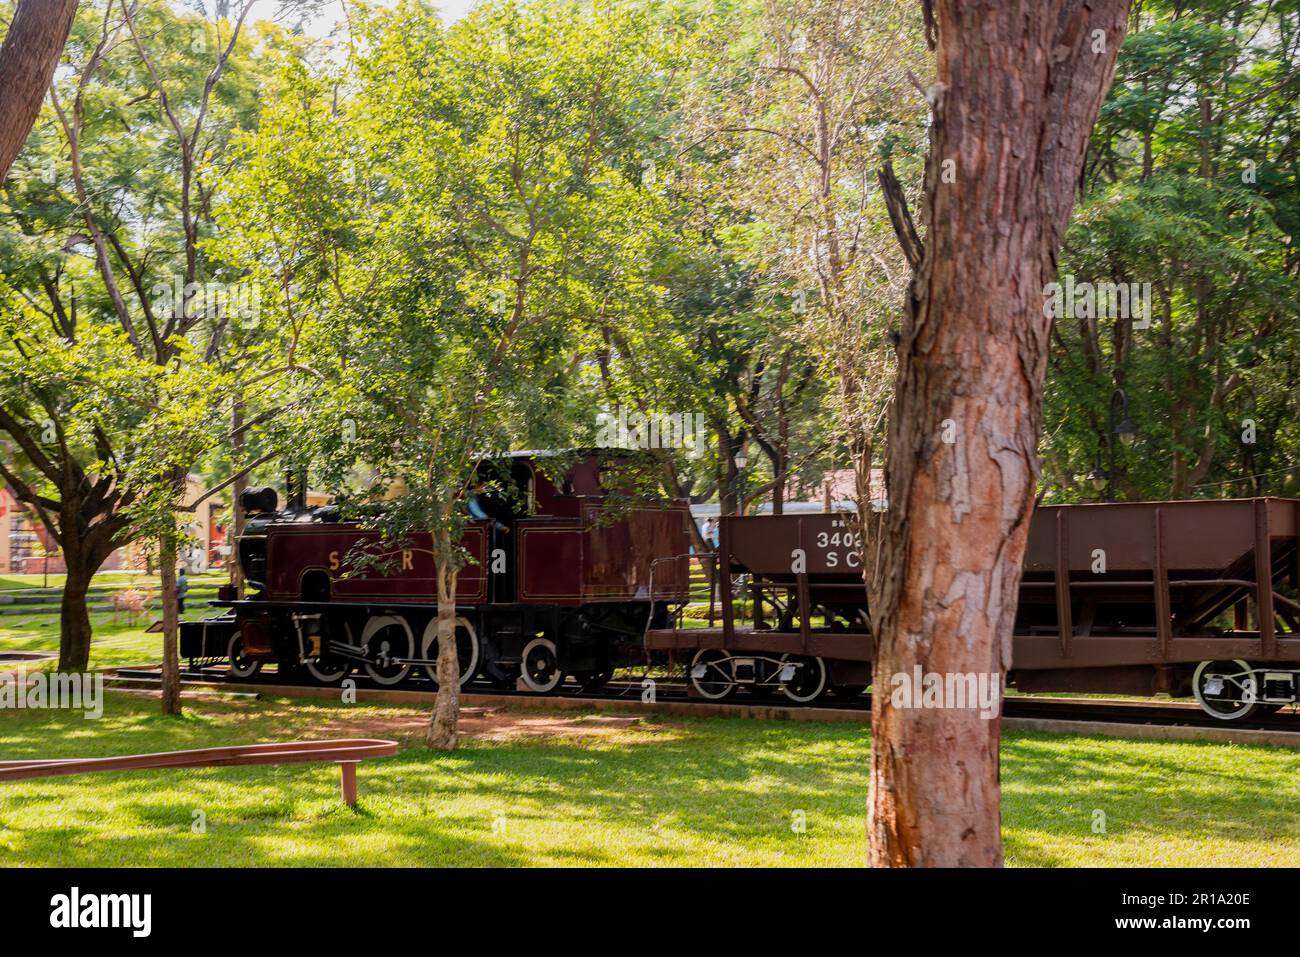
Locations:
(841, 539)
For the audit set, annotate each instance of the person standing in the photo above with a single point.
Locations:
(182, 586)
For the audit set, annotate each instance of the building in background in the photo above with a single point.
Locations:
(26, 548)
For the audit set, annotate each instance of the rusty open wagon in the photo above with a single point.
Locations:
(1185, 598)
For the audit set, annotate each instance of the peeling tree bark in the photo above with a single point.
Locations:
(27, 60)
(1019, 86)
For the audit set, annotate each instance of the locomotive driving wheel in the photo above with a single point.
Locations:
(540, 666)
(1226, 690)
(388, 645)
(711, 674)
(241, 666)
(467, 650)
(327, 668)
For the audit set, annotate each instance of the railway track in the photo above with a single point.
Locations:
(672, 695)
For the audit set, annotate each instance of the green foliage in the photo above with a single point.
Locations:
(1191, 187)
(450, 208)
(114, 364)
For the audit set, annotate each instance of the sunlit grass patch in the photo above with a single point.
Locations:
(660, 791)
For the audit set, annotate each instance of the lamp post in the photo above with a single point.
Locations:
(1121, 427)
(741, 459)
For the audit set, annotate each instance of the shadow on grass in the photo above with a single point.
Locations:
(691, 791)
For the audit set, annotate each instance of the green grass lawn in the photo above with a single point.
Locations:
(116, 642)
(666, 791)
(115, 645)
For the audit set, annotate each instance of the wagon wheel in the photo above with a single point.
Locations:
(241, 666)
(387, 639)
(1226, 690)
(540, 666)
(710, 673)
(808, 681)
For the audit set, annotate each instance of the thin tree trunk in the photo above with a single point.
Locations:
(27, 60)
(1017, 93)
(443, 724)
(236, 491)
(74, 616)
(171, 661)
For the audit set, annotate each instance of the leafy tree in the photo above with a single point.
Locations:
(1016, 96)
(788, 120)
(1190, 188)
(449, 205)
(113, 308)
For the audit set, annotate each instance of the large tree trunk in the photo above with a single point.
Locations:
(74, 616)
(443, 734)
(27, 61)
(171, 660)
(1018, 90)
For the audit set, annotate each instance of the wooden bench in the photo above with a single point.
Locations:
(345, 751)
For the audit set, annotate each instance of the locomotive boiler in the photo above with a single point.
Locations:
(559, 583)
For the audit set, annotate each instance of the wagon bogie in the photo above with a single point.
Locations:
(716, 674)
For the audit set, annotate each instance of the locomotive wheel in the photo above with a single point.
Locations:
(1223, 692)
(241, 666)
(711, 674)
(387, 637)
(467, 650)
(541, 666)
(809, 679)
(329, 669)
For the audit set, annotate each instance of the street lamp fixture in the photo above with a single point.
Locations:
(1127, 432)
(1122, 428)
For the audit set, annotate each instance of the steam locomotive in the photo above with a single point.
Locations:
(559, 583)
(571, 578)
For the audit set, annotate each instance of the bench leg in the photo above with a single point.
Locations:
(348, 782)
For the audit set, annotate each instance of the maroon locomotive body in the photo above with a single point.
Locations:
(557, 583)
